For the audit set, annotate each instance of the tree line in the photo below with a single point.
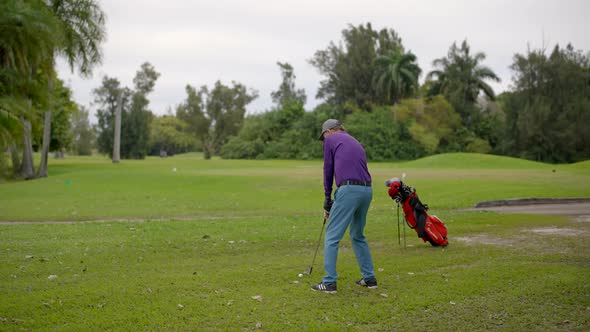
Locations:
(370, 82)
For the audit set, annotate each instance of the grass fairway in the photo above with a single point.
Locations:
(218, 245)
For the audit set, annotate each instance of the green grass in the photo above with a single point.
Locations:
(94, 188)
(233, 230)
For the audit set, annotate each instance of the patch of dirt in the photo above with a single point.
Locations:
(485, 239)
(573, 209)
(556, 231)
(582, 218)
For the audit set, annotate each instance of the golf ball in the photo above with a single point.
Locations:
(300, 275)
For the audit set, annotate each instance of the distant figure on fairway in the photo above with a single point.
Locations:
(346, 161)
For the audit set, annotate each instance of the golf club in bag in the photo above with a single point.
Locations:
(429, 227)
(308, 271)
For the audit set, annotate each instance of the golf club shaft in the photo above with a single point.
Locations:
(404, 236)
(399, 238)
(317, 247)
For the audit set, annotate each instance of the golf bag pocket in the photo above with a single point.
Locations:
(436, 231)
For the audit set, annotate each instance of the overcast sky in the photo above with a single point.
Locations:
(198, 42)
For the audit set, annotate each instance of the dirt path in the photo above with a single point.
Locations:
(570, 209)
(577, 209)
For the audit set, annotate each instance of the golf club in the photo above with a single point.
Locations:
(308, 271)
(387, 184)
(399, 239)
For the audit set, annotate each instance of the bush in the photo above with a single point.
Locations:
(237, 148)
(382, 136)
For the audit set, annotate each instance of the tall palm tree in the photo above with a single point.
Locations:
(82, 26)
(29, 34)
(396, 76)
(461, 74)
(32, 34)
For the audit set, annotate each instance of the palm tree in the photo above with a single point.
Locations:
(32, 35)
(29, 36)
(460, 74)
(82, 26)
(396, 76)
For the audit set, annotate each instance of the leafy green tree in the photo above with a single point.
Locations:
(225, 107)
(135, 115)
(83, 136)
(30, 34)
(82, 26)
(432, 123)
(33, 33)
(61, 130)
(460, 77)
(548, 113)
(214, 115)
(168, 136)
(192, 112)
(279, 134)
(383, 137)
(349, 68)
(135, 130)
(106, 99)
(396, 76)
(287, 93)
(257, 132)
(276, 133)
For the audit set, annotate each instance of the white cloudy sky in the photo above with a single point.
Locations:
(201, 41)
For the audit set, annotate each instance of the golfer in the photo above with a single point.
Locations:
(346, 162)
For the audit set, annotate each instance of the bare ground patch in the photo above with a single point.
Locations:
(585, 218)
(486, 239)
(522, 235)
(556, 231)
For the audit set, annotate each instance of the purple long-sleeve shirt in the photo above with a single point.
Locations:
(344, 159)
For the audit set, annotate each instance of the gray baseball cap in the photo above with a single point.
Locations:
(329, 124)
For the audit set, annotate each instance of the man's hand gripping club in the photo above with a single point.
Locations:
(327, 207)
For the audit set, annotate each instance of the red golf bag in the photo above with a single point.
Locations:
(429, 227)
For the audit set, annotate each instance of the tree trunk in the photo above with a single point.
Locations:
(15, 159)
(117, 139)
(27, 170)
(42, 171)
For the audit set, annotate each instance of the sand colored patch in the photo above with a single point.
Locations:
(556, 231)
(585, 218)
(484, 239)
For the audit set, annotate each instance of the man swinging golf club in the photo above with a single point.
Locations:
(346, 161)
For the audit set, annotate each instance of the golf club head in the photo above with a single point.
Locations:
(308, 271)
(390, 181)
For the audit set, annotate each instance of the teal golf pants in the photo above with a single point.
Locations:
(351, 204)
